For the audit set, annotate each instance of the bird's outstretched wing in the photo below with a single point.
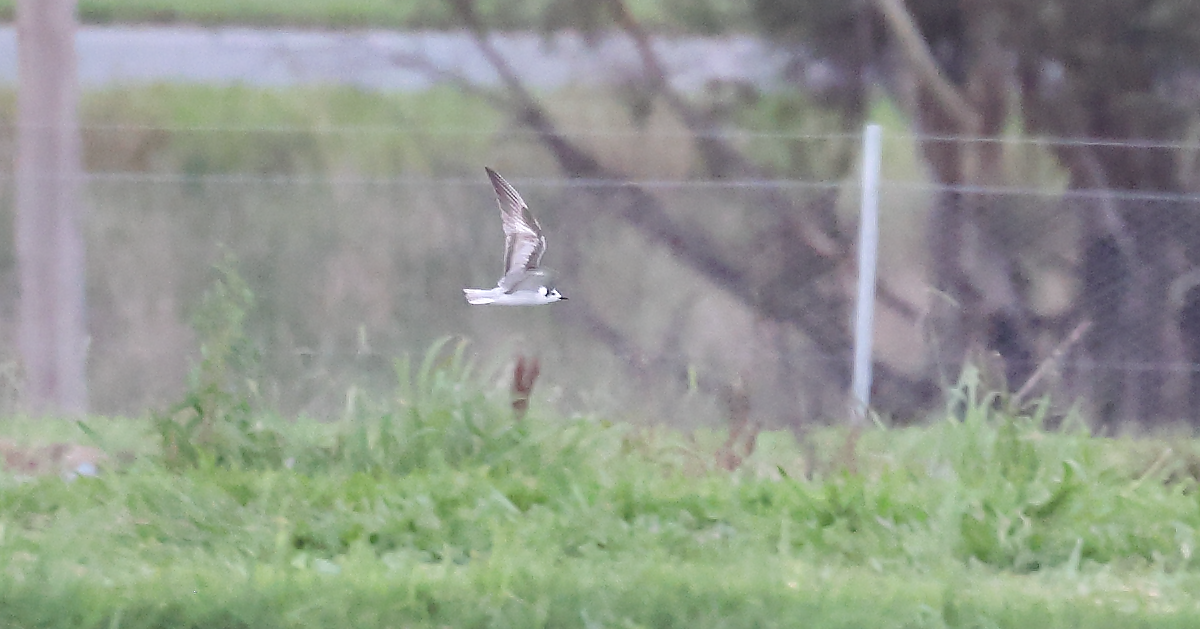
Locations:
(523, 240)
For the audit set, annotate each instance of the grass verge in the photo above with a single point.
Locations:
(436, 507)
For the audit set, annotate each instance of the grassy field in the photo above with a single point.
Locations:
(678, 15)
(434, 506)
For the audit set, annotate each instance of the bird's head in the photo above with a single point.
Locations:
(552, 294)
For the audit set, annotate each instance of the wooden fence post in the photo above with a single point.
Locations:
(51, 333)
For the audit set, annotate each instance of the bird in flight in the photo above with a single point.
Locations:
(524, 283)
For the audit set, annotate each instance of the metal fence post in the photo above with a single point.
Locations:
(868, 253)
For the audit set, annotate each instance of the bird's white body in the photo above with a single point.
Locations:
(523, 282)
(498, 297)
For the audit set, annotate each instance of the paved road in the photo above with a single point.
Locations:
(383, 60)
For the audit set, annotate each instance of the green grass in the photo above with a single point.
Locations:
(202, 130)
(706, 17)
(433, 506)
(198, 130)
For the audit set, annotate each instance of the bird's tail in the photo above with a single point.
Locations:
(477, 296)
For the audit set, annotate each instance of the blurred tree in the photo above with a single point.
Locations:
(1110, 70)
(51, 335)
(1065, 68)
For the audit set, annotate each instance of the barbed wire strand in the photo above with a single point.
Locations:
(565, 182)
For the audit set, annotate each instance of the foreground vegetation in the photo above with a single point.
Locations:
(436, 506)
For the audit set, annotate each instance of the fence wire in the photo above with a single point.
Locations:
(683, 290)
(352, 274)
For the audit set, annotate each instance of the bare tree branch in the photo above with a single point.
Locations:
(457, 79)
(630, 202)
(893, 300)
(1051, 363)
(912, 45)
(572, 158)
(722, 159)
(814, 307)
